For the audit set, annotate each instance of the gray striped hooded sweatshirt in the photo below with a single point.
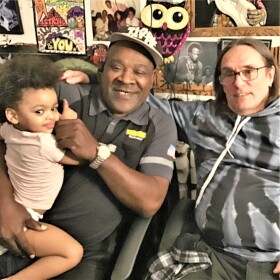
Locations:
(237, 161)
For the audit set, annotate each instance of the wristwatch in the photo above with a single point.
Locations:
(103, 152)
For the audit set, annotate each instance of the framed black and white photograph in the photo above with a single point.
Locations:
(224, 42)
(10, 19)
(194, 64)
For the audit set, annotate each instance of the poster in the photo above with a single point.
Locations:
(60, 26)
(10, 19)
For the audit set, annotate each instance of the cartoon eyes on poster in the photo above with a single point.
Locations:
(60, 26)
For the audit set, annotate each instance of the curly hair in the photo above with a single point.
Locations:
(261, 48)
(24, 72)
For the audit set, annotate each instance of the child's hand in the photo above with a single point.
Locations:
(68, 113)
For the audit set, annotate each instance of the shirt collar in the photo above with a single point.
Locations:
(139, 117)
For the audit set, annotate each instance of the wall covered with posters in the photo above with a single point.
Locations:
(71, 27)
(29, 35)
(29, 18)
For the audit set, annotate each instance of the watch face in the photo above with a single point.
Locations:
(103, 151)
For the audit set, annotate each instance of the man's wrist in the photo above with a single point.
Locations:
(103, 152)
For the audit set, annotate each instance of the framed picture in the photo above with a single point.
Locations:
(97, 53)
(230, 21)
(10, 20)
(194, 64)
(224, 42)
(60, 26)
(111, 16)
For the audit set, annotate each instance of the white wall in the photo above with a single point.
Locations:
(29, 36)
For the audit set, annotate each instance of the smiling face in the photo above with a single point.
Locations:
(127, 78)
(36, 112)
(246, 97)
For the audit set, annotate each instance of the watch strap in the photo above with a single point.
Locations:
(103, 152)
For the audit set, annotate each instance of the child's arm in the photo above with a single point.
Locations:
(71, 159)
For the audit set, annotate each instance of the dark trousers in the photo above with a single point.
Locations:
(227, 266)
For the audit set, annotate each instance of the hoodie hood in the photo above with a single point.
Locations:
(270, 109)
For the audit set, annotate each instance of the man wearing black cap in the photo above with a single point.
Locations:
(130, 157)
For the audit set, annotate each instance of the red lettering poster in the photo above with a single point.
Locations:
(60, 26)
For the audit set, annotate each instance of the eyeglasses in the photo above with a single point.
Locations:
(248, 74)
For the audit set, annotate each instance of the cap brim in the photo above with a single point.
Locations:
(156, 55)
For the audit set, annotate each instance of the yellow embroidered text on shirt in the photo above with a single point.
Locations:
(140, 135)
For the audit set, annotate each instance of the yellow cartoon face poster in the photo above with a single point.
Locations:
(60, 26)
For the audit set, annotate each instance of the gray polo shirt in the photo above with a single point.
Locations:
(144, 141)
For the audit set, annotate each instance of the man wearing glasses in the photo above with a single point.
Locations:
(236, 144)
(247, 74)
